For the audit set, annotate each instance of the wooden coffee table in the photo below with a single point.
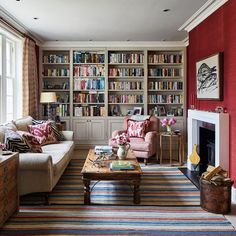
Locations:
(92, 172)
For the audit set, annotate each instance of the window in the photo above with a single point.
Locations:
(10, 76)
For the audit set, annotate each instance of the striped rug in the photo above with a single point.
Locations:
(116, 220)
(159, 186)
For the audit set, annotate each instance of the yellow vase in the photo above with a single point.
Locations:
(194, 157)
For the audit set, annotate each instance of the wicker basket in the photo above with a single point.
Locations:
(215, 199)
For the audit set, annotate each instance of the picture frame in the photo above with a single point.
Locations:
(209, 81)
(137, 111)
(129, 112)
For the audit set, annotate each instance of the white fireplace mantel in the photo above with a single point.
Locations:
(221, 122)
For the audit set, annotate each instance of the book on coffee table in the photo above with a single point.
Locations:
(121, 165)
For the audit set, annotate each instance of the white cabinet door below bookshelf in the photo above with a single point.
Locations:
(114, 124)
(88, 130)
(97, 130)
(81, 130)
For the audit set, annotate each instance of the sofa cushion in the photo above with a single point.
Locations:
(137, 128)
(60, 153)
(22, 123)
(43, 133)
(58, 134)
(3, 129)
(15, 143)
(32, 141)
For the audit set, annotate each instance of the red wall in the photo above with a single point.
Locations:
(215, 34)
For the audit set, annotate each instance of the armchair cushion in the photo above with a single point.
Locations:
(137, 128)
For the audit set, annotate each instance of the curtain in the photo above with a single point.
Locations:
(30, 83)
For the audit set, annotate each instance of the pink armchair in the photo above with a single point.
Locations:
(142, 147)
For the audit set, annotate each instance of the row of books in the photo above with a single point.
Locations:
(63, 97)
(88, 98)
(165, 85)
(164, 72)
(125, 98)
(165, 58)
(51, 85)
(126, 71)
(125, 85)
(88, 57)
(89, 111)
(57, 110)
(57, 72)
(53, 58)
(89, 70)
(89, 84)
(171, 99)
(126, 57)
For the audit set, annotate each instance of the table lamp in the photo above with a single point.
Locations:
(48, 97)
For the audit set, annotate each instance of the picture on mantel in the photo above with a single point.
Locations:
(209, 78)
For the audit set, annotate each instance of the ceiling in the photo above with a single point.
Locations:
(103, 20)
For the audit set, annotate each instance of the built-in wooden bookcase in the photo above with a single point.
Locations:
(125, 81)
(88, 83)
(56, 78)
(97, 87)
(166, 83)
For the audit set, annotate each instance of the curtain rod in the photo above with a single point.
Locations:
(15, 29)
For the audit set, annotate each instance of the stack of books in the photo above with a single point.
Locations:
(121, 165)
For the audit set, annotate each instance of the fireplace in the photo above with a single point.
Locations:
(215, 128)
(206, 148)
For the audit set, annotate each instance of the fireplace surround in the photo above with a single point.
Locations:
(220, 122)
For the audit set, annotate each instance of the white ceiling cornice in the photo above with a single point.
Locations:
(206, 10)
(18, 25)
(104, 44)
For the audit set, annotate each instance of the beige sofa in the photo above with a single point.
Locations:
(39, 172)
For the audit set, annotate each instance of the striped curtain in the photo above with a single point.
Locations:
(30, 82)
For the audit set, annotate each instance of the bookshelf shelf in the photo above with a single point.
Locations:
(55, 74)
(125, 81)
(166, 82)
(88, 82)
(55, 77)
(119, 103)
(56, 90)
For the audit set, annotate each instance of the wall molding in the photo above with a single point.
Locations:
(114, 44)
(233, 195)
(18, 25)
(206, 10)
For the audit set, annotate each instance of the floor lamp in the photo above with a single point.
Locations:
(48, 97)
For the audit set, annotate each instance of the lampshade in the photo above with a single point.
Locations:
(48, 97)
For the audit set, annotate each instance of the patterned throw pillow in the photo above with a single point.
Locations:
(58, 134)
(15, 143)
(137, 128)
(31, 141)
(43, 133)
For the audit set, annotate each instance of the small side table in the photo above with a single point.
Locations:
(170, 137)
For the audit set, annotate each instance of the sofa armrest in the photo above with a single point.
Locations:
(69, 135)
(35, 161)
(117, 132)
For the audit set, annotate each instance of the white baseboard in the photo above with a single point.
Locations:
(233, 195)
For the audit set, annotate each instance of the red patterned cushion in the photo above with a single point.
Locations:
(137, 128)
(43, 133)
(31, 140)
